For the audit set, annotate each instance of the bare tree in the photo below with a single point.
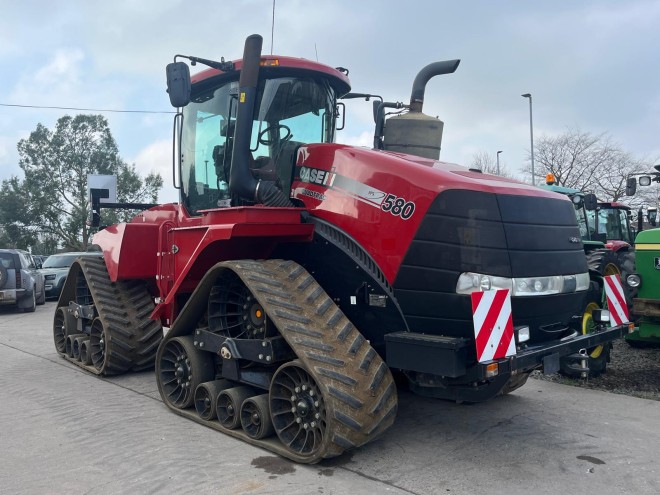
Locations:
(487, 163)
(590, 163)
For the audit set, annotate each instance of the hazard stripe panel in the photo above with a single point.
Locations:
(493, 325)
(616, 300)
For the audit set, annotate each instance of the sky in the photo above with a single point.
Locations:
(589, 65)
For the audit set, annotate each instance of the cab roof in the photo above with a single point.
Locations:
(275, 63)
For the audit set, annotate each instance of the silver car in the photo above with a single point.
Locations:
(21, 283)
(56, 268)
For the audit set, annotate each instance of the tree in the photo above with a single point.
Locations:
(488, 164)
(52, 198)
(588, 162)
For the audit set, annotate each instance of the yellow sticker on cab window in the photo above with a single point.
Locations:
(242, 99)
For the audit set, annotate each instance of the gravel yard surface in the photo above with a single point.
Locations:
(631, 371)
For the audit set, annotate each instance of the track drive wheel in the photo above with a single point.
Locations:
(298, 409)
(180, 368)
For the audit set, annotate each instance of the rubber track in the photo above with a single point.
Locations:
(124, 307)
(358, 388)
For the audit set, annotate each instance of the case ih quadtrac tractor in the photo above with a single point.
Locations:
(296, 273)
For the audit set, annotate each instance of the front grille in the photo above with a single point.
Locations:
(494, 234)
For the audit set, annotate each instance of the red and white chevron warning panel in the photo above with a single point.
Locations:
(493, 327)
(616, 300)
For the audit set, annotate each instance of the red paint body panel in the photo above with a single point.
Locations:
(302, 64)
(616, 245)
(167, 245)
(418, 180)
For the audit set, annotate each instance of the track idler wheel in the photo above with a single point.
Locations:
(229, 404)
(85, 355)
(181, 368)
(97, 344)
(298, 409)
(206, 397)
(70, 344)
(64, 324)
(255, 417)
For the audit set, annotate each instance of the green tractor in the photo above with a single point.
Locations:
(646, 306)
(602, 261)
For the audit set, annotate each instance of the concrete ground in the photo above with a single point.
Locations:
(65, 431)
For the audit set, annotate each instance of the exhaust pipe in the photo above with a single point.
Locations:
(414, 133)
(424, 76)
(241, 181)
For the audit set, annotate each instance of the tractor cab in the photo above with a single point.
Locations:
(294, 104)
(611, 223)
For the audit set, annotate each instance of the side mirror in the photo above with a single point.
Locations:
(631, 186)
(590, 201)
(178, 84)
(644, 180)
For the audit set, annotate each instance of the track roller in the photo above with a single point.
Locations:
(85, 355)
(255, 417)
(70, 340)
(206, 396)
(182, 368)
(76, 346)
(229, 405)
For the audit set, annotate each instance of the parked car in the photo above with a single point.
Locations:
(39, 259)
(21, 283)
(56, 268)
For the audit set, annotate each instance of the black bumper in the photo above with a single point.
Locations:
(447, 356)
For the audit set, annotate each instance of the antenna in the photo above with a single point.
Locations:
(317, 53)
(272, 29)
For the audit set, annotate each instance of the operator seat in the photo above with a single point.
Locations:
(285, 162)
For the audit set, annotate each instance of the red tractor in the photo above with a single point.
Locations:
(296, 273)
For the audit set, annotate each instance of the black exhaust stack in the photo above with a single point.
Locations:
(241, 181)
(424, 76)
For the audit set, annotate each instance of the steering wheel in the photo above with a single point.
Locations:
(269, 142)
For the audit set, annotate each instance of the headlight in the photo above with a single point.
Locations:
(525, 286)
(634, 280)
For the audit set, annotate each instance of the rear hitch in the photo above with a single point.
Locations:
(578, 362)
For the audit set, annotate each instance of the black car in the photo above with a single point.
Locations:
(21, 283)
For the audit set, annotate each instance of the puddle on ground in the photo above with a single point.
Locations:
(274, 465)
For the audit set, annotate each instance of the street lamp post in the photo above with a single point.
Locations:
(498, 162)
(531, 132)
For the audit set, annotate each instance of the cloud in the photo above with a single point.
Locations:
(157, 157)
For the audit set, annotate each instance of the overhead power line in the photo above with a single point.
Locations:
(84, 109)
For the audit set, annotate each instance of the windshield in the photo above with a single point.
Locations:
(59, 261)
(289, 112)
(613, 222)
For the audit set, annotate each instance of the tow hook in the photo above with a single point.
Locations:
(584, 362)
